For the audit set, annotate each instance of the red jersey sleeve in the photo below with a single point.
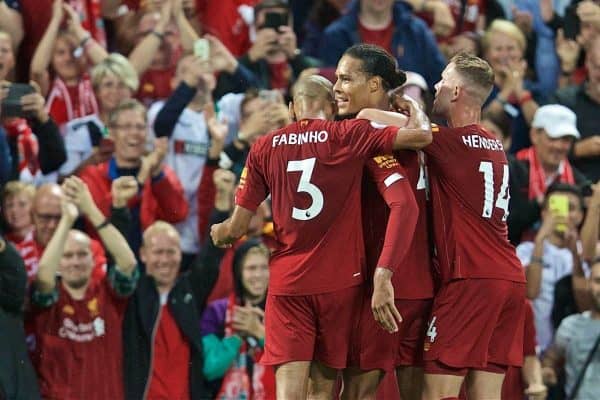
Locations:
(439, 145)
(367, 138)
(394, 187)
(252, 189)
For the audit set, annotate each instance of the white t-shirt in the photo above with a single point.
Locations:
(78, 142)
(188, 150)
(558, 262)
(575, 338)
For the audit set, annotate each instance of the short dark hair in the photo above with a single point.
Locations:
(378, 62)
(264, 4)
(564, 188)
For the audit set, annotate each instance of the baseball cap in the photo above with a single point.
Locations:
(558, 121)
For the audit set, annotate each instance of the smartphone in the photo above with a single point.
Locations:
(11, 105)
(571, 24)
(275, 19)
(559, 207)
(202, 49)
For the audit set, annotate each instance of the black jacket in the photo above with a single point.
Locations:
(186, 302)
(17, 378)
(524, 213)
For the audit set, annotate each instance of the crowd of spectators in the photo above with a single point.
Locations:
(121, 143)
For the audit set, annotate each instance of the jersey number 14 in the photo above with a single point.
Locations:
(487, 168)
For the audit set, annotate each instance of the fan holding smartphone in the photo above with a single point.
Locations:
(275, 39)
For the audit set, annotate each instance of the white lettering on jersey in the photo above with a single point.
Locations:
(300, 138)
(82, 332)
(431, 330)
(480, 142)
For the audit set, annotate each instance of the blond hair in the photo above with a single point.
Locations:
(477, 73)
(119, 66)
(507, 28)
(14, 188)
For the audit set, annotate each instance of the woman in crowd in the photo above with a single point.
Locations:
(60, 64)
(233, 330)
(17, 198)
(113, 80)
(504, 47)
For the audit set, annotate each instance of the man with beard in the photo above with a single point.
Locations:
(78, 319)
(477, 318)
(365, 74)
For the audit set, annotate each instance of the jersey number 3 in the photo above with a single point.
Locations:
(487, 168)
(304, 185)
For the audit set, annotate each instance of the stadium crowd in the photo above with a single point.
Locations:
(125, 128)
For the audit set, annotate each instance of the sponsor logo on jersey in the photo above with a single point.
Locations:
(386, 161)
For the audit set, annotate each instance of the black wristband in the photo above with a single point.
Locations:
(537, 260)
(159, 35)
(104, 224)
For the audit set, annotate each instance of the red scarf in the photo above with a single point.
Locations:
(236, 382)
(63, 108)
(27, 145)
(537, 177)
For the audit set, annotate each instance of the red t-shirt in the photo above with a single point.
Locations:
(79, 345)
(36, 16)
(413, 278)
(171, 362)
(468, 174)
(155, 84)
(379, 37)
(473, 10)
(315, 198)
(31, 253)
(223, 19)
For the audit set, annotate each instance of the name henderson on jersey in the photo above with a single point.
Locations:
(300, 138)
(480, 142)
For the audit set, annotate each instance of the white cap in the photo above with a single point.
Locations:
(413, 78)
(558, 121)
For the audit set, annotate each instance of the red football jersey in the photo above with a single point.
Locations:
(313, 171)
(79, 345)
(412, 278)
(468, 175)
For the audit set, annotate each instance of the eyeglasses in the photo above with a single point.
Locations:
(45, 218)
(131, 127)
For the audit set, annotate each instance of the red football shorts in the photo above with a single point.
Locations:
(375, 348)
(475, 324)
(314, 327)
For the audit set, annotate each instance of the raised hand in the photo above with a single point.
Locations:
(221, 58)
(34, 104)
(266, 42)
(122, 189)
(247, 321)
(69, 211)
(224, 180)
(77, 192)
